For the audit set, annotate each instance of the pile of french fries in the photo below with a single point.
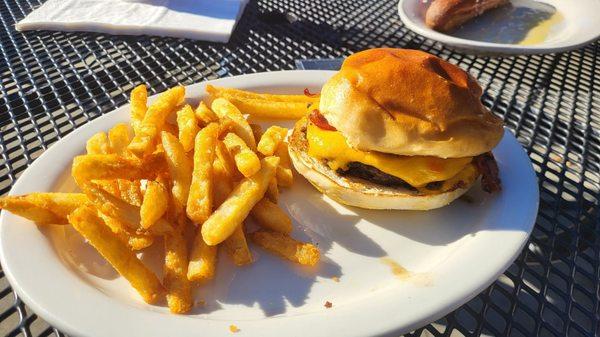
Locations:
(175, 167)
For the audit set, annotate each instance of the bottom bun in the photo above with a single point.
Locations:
(358, 192)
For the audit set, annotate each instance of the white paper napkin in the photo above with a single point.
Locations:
(210, 20)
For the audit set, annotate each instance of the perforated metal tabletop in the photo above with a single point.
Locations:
(53, 82)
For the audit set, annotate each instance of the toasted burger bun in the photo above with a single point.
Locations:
(358, 192)
(408, 102)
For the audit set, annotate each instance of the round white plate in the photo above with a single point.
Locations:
(561, 25)
(451, 254)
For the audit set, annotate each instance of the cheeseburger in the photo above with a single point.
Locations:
(398, 129)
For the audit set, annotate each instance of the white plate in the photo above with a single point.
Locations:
(452, 254)
(568, 25)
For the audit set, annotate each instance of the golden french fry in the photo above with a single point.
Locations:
(98, 144)
(245, 159)
(257, 130)
(227, 161)
(112, 166)
(188, 127)
(86, 221)
(116, 208)
(286, 247)
(237, 247)
(119, 137)
(179, 289)
(154, 206)
(273, 191)
(271, 109)
(44, 208)
(271, 139)
(285, 175)
(223, 108)
(144, 141)
(180, 169)
(139, 98)
(223, 222)
(270, 216)
(205, 115)
(203, 260)
(237, 93)
(133, 240)
(199, 203)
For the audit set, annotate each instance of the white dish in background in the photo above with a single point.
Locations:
(451, 254)
(552, 25)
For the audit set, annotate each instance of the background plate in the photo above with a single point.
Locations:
(561, 25)
(451, 254)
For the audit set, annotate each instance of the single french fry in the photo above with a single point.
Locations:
(236, 247)
(237, 93)
(121, 210)
(188, 127)
(227, 161)
(271, 109)
(112, 166)
(223, 108)
(98, 144)
(44, 208)
(223, 222)
(270, 216)
(257, 130)
(133, 240)
(180, 169)
(205, 115)
(286, 247)
(199, 203)
(179, 289)
(144, 141)
(86, 221)
(119, 137)
(273, 190)
(138, 101)
(245, 159)
(271, 139)
(203, 260)
(154, 206)
(285, 175)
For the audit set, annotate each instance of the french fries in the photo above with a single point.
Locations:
(119, 137)
(199, 203)
(188, 127)
(205, 115)
(285, 176)
(222, 222)
(271, 139)
(224, 109)
(173, 166)
(286, 247)
(245, 159)
(269, 216)
(154, 206)
(86, 221)
(139, 98)
(179, 289)
(180, 169)
(144, 141)
(44, 208)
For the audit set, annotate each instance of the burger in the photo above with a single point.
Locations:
(398, 129)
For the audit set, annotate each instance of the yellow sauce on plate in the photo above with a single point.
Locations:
(539, 33)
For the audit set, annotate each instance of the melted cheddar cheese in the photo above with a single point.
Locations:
(417, 171)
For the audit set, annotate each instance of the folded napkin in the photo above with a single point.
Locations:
(211, 20)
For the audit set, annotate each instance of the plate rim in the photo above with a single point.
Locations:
(467, 44)
(281, 76)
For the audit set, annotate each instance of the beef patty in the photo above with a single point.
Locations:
(372, 174)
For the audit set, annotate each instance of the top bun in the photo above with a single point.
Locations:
(409, 102)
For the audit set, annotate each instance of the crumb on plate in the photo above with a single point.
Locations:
(335, 279)
(328, 304)
(233, 328)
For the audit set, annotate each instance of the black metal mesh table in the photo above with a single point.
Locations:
(53, 82)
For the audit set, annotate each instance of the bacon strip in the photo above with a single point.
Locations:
(319, 120)
(487, 166)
